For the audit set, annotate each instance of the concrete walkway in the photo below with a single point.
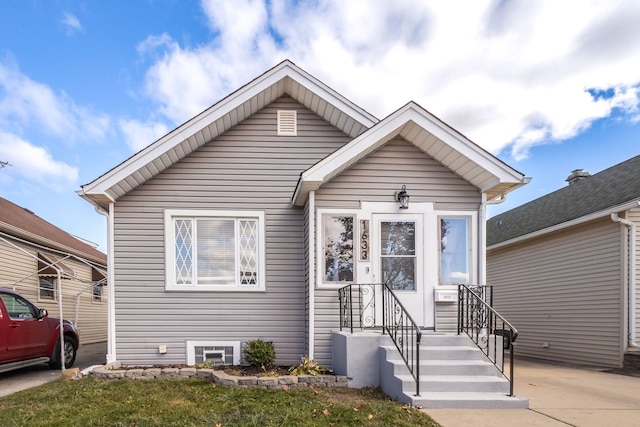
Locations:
(558, 396)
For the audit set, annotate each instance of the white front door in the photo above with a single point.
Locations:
(399, 260)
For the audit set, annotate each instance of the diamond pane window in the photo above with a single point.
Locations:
(184, 251)
(214, 250)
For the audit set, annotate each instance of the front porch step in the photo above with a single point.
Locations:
(468, 400)
(454, 373)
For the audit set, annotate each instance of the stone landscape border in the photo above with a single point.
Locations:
(114, 371)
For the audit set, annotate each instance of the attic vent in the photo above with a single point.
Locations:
(287, 122)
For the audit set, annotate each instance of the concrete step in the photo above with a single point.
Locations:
(456, 383)
(432, 339)
(450, 352)
(457, 367)
(468, 400)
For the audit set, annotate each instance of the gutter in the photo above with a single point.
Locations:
(567, 224)
(111, 301)
(312, 273)
(631, 253)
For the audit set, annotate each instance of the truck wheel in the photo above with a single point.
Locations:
(69, 354)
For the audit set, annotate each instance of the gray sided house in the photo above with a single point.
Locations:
(55, 270)
(565, 268)
(244, 222)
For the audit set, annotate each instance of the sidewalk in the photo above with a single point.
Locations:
(558, 396)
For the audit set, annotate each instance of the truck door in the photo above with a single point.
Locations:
(26, 335)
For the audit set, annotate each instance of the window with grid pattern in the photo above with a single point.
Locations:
(215, 250)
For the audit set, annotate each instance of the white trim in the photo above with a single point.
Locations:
(567, 224)
(191, 349)
(312, 273)
(391, 127)
(473, 243)
(319, 237)
(271, 78)
(111, 302)
(169, 244)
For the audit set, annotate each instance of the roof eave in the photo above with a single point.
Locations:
(580, 220)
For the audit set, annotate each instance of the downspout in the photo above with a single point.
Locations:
(631, 253)
(312, 271)
(111, 309)
(482, 236)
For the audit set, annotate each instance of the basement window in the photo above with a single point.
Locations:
(213, 352)
(287, 123)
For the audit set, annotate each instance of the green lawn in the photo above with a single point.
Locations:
(91, 402)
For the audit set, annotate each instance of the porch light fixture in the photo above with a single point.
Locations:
(403, 197)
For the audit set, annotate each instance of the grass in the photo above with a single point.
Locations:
(91, 402)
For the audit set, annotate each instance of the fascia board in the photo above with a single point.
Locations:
(351, 152)
(464, 146)
(567, 224)
(235, 99)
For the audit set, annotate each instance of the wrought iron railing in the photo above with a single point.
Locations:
(358, 310)
(486, 327)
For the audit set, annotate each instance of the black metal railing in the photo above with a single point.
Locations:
(490, 332)
(358, 310)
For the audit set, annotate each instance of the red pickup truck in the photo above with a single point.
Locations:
(29, 336)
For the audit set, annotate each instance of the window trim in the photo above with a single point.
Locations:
(472, 244)
(321, 214)
(53, 289)
(169, 245)
(191, 349)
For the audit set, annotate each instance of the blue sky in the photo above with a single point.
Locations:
(547, 86)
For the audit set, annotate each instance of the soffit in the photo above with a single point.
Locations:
(284, 79)
(431, 135)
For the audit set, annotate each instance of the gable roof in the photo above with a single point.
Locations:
(430, 134)
(19, 222)
(612, 190)
(284, 78)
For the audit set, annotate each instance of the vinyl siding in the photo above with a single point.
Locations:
(375, 179)
(566, 289)
(18, 271)
(247, 168)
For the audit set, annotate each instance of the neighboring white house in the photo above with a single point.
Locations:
(565, 268)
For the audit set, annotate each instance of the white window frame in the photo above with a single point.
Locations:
(191, 349)
(169, 240)
(53, 289)
(471, 217)
(321, 213)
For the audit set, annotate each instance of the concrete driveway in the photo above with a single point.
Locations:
(558, 396)
(33, 376)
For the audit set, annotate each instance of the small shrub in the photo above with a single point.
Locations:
(260, 353)
(307, 367)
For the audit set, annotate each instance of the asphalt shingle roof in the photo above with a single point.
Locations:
(14, 216)
(611, 187)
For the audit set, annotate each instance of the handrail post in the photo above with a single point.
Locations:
(351, 307)
(384, 311)
(511, 376)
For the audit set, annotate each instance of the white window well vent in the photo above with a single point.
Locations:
(287, 122)
(213, 352)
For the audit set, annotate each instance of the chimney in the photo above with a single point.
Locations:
(577, 175)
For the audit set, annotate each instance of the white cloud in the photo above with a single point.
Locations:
(140, 134)
(35, 163)
(26, 103)
(506, 74)
(70, 23)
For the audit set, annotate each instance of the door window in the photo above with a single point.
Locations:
(398, 254)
